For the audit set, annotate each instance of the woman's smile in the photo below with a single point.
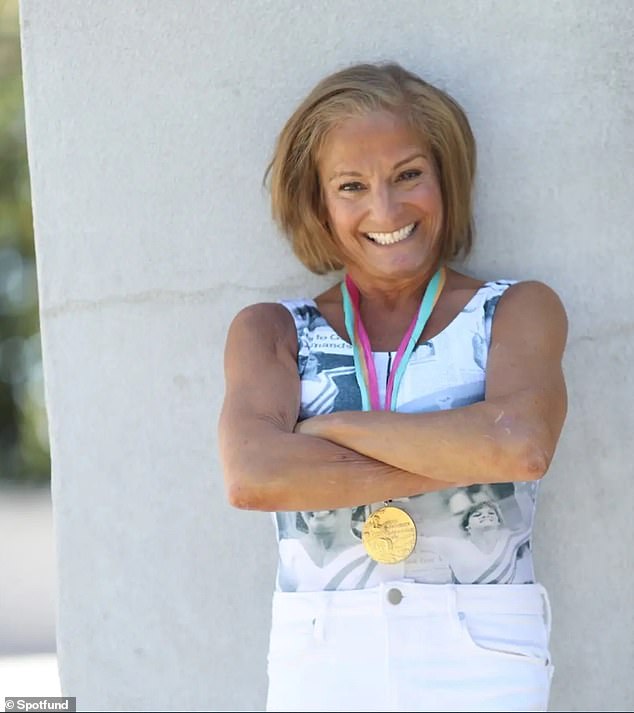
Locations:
(396, 236)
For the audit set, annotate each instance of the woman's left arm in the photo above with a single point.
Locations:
(511, 435)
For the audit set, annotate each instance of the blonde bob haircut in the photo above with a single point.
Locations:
(296, 195)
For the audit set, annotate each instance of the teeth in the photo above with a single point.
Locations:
(395, 237)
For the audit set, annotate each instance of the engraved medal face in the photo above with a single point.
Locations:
(389, 535)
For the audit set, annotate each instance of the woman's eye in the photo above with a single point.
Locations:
(351, 187)
(410, 174)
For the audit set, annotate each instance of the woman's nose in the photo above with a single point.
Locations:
(383, 208)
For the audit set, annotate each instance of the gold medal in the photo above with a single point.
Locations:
(389, 535)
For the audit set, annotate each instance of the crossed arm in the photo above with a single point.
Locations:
(271, 462)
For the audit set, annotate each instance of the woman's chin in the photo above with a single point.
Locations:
(396, 266)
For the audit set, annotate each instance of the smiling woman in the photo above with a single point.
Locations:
(403, 390)
(392, 197)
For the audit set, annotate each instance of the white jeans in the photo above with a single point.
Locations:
(411, 647)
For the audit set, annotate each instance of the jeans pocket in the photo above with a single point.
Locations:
(511, 637)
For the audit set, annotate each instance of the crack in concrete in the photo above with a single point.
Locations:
(173, 296)
(270, 292)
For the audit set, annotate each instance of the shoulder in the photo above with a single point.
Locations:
(273, 314)
(530, 289)
(532, 309)
(532, 298)
(263, 321)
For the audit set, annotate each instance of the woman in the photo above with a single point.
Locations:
(443, 382)
(325, 554)
(485, 550)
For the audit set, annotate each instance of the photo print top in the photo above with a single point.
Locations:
(479, 534)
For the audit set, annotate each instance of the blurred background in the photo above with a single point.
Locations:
(27, 590)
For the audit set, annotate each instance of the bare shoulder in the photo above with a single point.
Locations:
(525, 365)
(260, 360)
(264, 322)
(531, 310)
(534, 298)
(534, 290)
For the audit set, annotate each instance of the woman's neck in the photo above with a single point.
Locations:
(486, 540)
(385, 296)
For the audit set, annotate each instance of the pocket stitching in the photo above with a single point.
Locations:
(468, 639)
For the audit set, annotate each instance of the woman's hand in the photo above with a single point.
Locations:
(327, 425)
(314, 426)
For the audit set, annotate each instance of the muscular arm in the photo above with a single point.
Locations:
(266, 465)
(511, 435)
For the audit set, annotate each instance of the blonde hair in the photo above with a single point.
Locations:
(296, 195)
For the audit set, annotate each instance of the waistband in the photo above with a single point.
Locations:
(417, 599)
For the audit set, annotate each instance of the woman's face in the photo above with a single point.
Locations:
(321, 522)
(382, 197)
(484, 517)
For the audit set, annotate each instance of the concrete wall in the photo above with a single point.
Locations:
(150, 124)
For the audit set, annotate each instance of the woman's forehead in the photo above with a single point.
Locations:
(367, 138)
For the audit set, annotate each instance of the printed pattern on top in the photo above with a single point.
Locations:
(480, 534)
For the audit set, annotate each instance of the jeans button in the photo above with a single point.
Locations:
(394, 596)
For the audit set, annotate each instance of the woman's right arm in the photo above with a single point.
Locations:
(265, 465)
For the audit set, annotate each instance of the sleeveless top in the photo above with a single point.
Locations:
(480, 534)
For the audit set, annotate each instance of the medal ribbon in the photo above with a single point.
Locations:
(364, 367)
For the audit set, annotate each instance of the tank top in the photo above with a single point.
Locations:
(479, 534)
